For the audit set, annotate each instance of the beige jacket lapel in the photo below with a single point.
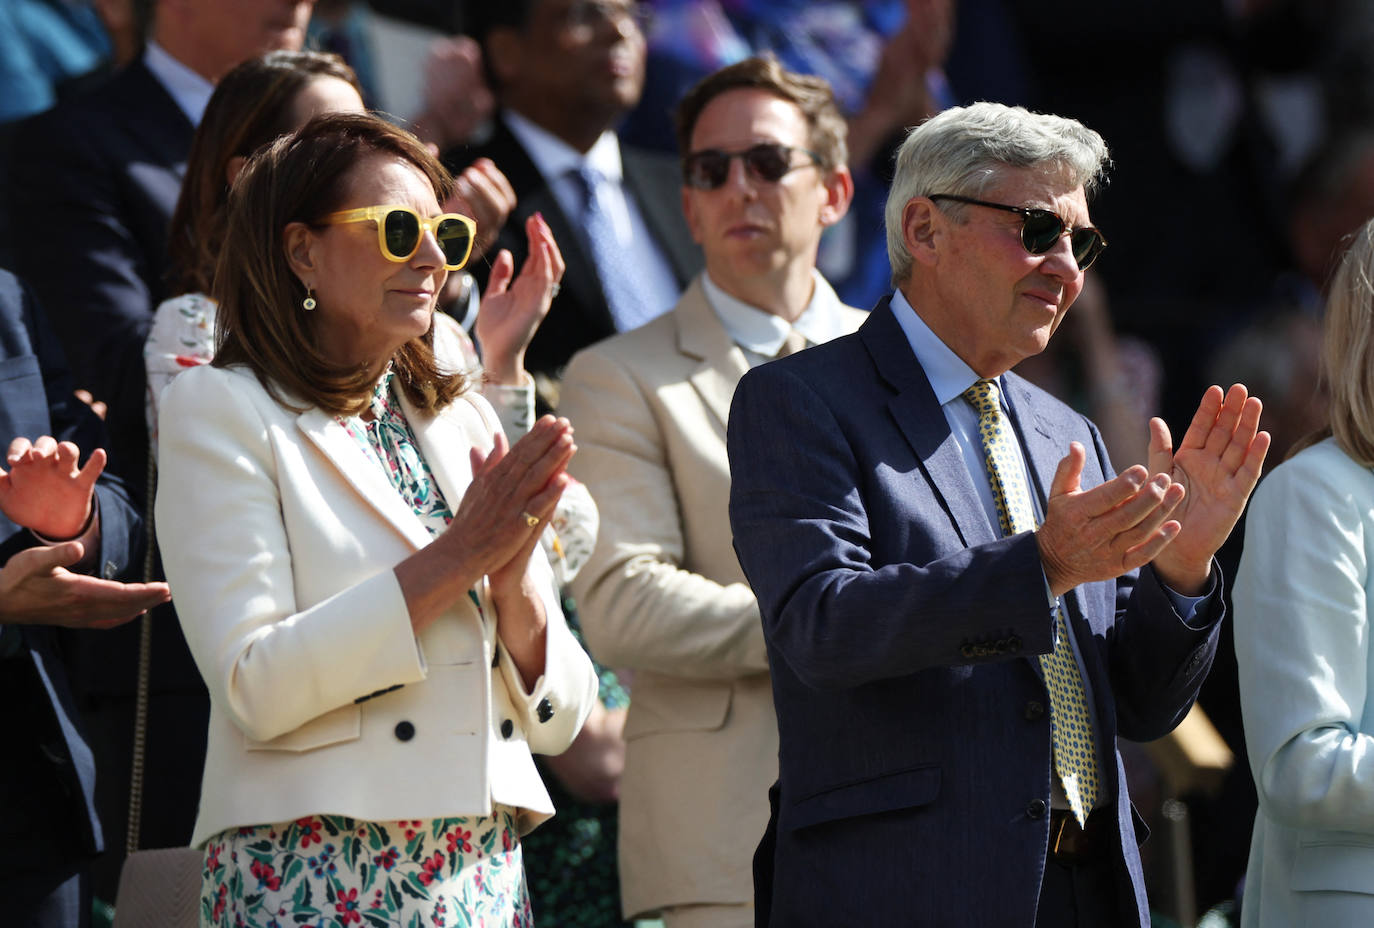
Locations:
(701, 336)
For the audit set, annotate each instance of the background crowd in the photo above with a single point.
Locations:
(1242, 144)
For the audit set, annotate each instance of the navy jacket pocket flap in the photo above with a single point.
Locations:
(1334, 867)
(901, 790)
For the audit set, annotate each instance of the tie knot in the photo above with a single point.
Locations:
(984, 396)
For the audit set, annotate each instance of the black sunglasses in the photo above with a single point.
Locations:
(1041, 229)
(768, 161)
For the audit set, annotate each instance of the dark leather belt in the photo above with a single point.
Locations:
(1070, 844)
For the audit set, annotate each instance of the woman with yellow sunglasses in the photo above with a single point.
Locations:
(354, 549)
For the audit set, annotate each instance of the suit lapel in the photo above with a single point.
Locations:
(921, 420)
(362, 473)
(701, 336)
(1042, 450)
(444, 444)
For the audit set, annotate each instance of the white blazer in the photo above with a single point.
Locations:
(1302, 604)
(279, 536)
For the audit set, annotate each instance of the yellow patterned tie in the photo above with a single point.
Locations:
(1075, 749)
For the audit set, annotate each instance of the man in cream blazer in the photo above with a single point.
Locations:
(663, 595)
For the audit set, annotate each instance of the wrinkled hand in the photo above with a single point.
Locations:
(1219, 463)
(508, 483)
(484, 193)
(1100, 534)
(511, 312)
(37, 589)
(44, 490)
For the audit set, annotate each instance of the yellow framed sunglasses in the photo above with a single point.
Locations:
(400, 229)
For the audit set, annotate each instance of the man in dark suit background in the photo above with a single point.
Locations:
(93, 183)
(564, 73)
(49, 828)
(963, 606)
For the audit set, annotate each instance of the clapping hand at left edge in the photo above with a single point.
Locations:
(44, 490)
(36, 588)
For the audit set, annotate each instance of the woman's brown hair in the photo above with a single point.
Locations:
(251, 106)
(260, 323)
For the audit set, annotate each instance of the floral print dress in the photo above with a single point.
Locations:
(330, 871)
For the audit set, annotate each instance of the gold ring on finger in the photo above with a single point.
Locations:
(530, 520)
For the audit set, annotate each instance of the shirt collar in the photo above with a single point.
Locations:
(949, 376)
(190, 90)
(762, 332)
(555, 158)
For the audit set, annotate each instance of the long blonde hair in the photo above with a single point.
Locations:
(1348, 349)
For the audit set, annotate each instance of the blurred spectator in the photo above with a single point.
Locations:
(764, 175)
(51, 828)
(100, 174)
(1302, 641)
(564, 72)
(44, 44)
(882, 57)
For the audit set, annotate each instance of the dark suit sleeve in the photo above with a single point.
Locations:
(1156, 660)
(57, 412)
(805, 508)
(65, 203)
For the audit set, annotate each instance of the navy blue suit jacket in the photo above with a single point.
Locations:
(579, 315)
(94, 182)
(47, 807)
(903, 632)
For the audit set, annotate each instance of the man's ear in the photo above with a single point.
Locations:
(921, 223)
(504, 54)
(839, 193)
(300, 240)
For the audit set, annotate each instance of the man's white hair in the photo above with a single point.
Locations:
(962, 150)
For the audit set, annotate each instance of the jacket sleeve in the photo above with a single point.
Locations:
(805, 508)
(639, 607)
(270, 663)
(1302, 643)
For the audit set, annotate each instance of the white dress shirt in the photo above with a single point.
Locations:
(188, 89)
(761, 334)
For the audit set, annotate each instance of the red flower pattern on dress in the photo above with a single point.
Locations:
(458, 840)
(431, 866)
(266, 874)
(310, 831)
(347, 907)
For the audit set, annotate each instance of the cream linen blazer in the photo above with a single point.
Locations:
(663, 595)
(1303, 606)
(278, 535)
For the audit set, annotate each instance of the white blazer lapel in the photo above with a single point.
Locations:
(363, 473)
(445, 441)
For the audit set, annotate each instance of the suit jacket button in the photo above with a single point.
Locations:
(1036, 809)
(545, 710)
(404, 731)
(1034, 710)
(507, 728)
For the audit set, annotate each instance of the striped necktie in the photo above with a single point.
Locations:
(1075, 748)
